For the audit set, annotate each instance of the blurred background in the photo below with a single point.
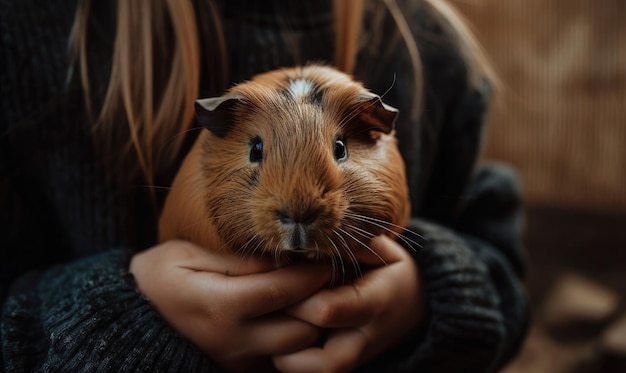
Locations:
(560, 121)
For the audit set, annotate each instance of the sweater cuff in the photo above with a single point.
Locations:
(91, 317)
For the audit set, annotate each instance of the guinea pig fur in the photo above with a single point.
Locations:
(295, 160)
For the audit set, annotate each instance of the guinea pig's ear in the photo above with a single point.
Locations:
(216, 113)
(376, 113)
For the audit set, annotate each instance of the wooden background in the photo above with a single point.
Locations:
(561, 115)
(561, 121)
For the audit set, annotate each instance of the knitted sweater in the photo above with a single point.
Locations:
(67, 231)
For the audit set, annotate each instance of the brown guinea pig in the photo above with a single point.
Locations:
(295, 160)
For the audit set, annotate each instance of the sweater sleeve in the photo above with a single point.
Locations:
(88, 316)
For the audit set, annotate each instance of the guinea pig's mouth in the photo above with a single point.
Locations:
(306, 249)
(298, 254)
(308, 253)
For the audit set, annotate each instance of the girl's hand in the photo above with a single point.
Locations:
(368, 317)
(224, 304)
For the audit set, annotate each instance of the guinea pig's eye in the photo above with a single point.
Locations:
(256, 150)
(340, 149)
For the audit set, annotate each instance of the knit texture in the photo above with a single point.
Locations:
(88, 316)
(67, 230)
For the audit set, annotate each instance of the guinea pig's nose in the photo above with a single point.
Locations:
(305, 217)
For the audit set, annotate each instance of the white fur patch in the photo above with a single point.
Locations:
(300, 88)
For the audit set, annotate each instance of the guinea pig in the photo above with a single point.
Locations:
(298, 160)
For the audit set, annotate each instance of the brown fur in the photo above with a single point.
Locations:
(222, 201)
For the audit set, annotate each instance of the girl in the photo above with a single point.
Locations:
(89, 143)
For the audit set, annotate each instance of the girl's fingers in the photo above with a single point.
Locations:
(342, 352)
(196, 258)
(258, 286)
(228, 317)
(271, 291)
(351, 305)
(368, 314)
(345, 306)
(280, 335)
(384, 251)
(357, 304)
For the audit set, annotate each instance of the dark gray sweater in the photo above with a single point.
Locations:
(68, 229)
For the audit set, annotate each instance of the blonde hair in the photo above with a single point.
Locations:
(153, 81)
(348, 15)
(156, 70)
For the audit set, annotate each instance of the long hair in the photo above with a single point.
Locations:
(153, 81)
(348, 14)
(155, 73)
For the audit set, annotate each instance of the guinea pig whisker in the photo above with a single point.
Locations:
(334, 259)
(341, 238)
(381, 224)
(354, 113)
(395, 226)
(333, 262)
(355, 263)
(277, 254)
(344, 244)
(228, 243)
(318, 254)
(362, 232)
(167, 142)
(257, 248)
(358, 110)
(351, 115)
(351, 256)
(363, 244)
(260, 252)
(208, 219)
(388, 223)
(393, 82)
(156, 187)
(243, 250)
